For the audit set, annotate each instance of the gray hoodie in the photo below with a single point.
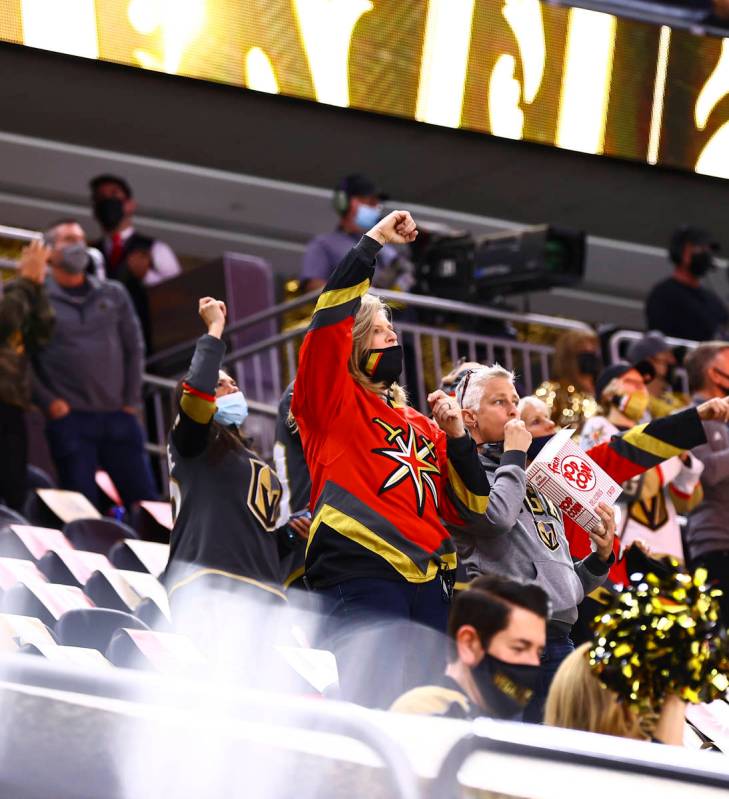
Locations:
(521, 536)
(94, 358)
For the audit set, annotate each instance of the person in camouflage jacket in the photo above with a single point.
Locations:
(26, 323)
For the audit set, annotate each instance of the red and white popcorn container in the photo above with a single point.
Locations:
(572, 480)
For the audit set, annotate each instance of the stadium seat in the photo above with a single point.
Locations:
(38, 513)
(97, 535)
(44, 601)
(10, 516)
(71, 566)
(31, 543)
(25, 630)
(148, 611)
(15, 570)
(167, 653)
(125, 590)
(140, 556)
(67, 655)
(38, 478)
(148, 525)
(93, 628)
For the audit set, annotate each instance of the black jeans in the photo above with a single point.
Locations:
(14, 457)
(717, 564)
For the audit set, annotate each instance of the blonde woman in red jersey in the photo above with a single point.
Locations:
(383, 475)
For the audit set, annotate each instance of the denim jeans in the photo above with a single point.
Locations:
(559, 646)
(388, 636)
(83, 442)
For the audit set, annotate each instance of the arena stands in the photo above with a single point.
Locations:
(365, 431)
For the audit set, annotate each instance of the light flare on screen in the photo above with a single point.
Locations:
(444, 62)
(505, 91)
(64, 26)
(586, 81)
(522, 69)
(326, 31)
(714, 158)
(659, 90)
(259, 72)
(180, 21)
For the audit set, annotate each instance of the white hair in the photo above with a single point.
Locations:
(477, 380)
(535, 402)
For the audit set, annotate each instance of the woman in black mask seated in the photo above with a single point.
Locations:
(497, 632)
(383, 476)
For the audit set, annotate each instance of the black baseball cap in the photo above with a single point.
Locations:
(652, 344)
(357, 185)
(645, 368)
(688, 234)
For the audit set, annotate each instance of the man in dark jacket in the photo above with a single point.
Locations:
(26, 321)
(89, 376)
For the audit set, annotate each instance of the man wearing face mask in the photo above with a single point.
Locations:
(662, 397)
(496, 635)
(680, 306)
(136, 260)
(88, 377)
(358, 203)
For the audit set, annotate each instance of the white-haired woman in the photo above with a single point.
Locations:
(521, 534)
(383, 475)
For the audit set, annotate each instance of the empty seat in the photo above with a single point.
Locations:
(44, 601)
(71, 566)
(38, 478)
(140, 556)
(152, 520)
(93, 628)
(15, 570)
(29, 542)
(24, 630)
(97, 535)
(10, 516)
(167, 653)
(148, 611)
(125, 590)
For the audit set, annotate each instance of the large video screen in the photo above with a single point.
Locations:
(520, 69)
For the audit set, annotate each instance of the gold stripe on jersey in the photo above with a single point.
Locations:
(220, 573)
(476, 503)
(636, 437)
(334, 297)
(198, 409)
(354, 530)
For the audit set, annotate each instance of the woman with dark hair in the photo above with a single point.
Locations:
(224, 497)
(383, 475)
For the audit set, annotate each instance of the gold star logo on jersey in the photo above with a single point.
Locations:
(263, 495)
(415, 456)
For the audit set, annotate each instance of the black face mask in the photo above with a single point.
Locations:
(588, 363)
(109, 212)
(536, 446)
(383, 365)
(701, 262)
(506, 688)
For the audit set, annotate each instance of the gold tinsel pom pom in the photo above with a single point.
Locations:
(662, 635)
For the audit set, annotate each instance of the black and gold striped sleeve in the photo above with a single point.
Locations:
(197, 404)
(344, 290)
(322, 377)
(646, 445)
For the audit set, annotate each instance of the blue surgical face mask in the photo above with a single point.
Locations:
(367, 216)
(231, 409)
